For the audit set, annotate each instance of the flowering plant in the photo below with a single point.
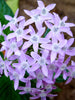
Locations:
(41, 54)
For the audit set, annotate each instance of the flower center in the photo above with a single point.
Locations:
(55, 29)
(63, 67)
(42, 61)
(55, 47)
(27, 89)
(25, 65)
(19, 32)
(43, 94)
(15, 75)
(13, 46)
(73, 74)
(2, 65)
(48, 87)
(40, 76)
(52, 67)
(34, 39)
(36, 17)
(44, 11)
(62, 23)
(13, 21)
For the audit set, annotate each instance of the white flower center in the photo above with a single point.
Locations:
(19, 32)
(25, 65)
(36, 18)
(13, 21)
(63, 67)
(52, 67)
(15, 75)
(44, 11)
(55, 29)
(34, 39)
(73, 74)
(42, 61)
(48, 87)
(27, 89)
(13, 46)
(55, 47)
(40, 76)
(62, 23)
(43, 94)
(2, 65)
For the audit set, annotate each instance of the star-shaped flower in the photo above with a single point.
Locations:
(11, 47)
(13, 20)
(55, 48)
(34, 39)
(4, 66)
(44, 11)
(19, 32)
(41, 61)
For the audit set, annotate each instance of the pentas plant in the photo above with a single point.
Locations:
(31, 55)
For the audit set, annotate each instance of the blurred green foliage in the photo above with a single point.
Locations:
(13, 4)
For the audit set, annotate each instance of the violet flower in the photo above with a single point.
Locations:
(62, 68)
(4, 66)
(25, 63)
(44, 11)
(27, 89)
(19, 32)
(71, 73)
(34, 39)
(11, 46)
(13, 20)
(43, 94)
(15, 75)
(41, 61)
(55, 48)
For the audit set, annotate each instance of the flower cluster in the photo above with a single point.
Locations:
(32, 55)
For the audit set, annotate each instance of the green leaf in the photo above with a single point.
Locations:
(13, 4)
(33, 83)
(60, 79)
(1, 38)
(4, 10)
(56, 90)
(1, 54)
(7, 91)
(25, 97)
(47, 31)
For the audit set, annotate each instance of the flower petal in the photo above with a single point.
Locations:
(34, 67)
(40, 4)
(35, 47)
(8, 17)
(16, 14)
(35, 56)
(9, 52)
(45, 70)
(50, 7)
(12, 35)
(57, 74)
(39, 83)
(44, 40)
(16, 84)
(26, 45)
(53, 56)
